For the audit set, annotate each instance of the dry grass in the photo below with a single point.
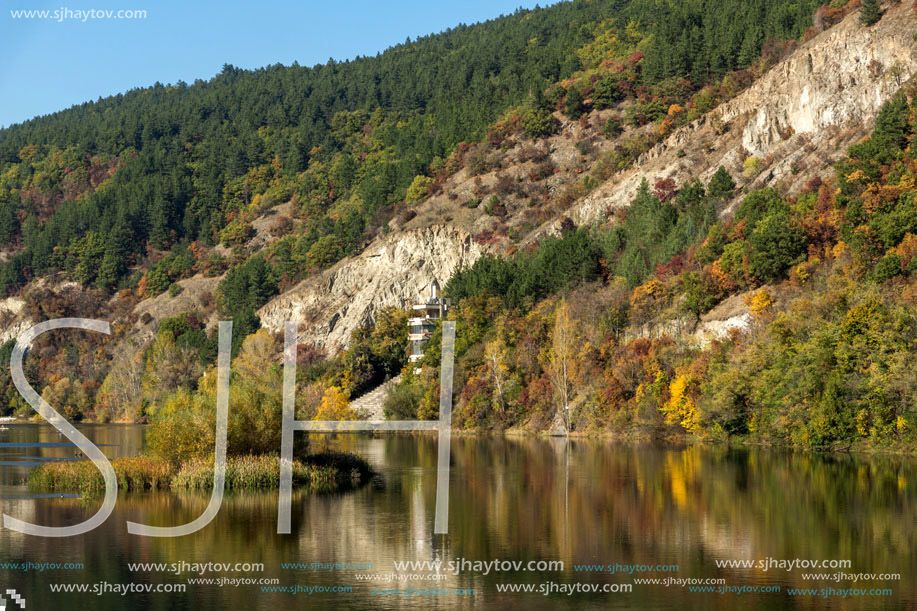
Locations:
(137, 474)
(325, 472)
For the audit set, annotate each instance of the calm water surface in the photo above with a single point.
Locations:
(580, 502)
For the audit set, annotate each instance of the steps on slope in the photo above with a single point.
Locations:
(370, 405)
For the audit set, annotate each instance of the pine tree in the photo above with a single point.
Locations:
(721, 185)
(183, 154)
(573, 106)
(869, 12)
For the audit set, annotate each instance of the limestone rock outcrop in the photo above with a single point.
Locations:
(395, 270)
(793, 122)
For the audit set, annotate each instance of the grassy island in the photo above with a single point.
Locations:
(323, 472)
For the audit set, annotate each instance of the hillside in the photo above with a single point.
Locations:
(789, 126)
(599, 165)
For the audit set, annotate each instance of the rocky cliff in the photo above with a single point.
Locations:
(13, 319)
(792, 123)
(394, 270)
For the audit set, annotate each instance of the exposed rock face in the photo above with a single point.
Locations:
(730, 314)
(796, 121)
(802, 114)
(394, 270)
(12, 315)
(843, 77)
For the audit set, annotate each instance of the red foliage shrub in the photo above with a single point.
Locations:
(664, 189)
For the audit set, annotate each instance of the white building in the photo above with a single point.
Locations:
(426, 314)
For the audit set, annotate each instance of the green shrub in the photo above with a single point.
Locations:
(157, 280)
(402, 402)
(759, 204)
(612, 127)
(700, 293)
(607, 93)
(538, 122)
(888, 267)
(776, 243)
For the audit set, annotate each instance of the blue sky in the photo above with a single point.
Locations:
(50, 64)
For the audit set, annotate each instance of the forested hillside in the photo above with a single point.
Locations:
(255, 180)
(577, 330)
(94, 191)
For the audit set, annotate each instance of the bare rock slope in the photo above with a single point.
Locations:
(392, 271)
(793, 122)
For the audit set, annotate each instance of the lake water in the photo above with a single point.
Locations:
(582, 502)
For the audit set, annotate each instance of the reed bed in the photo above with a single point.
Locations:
(136, 474)
(320, 473)
(324, 472)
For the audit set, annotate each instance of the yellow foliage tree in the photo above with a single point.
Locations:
(259, 354)
(335, 406)
(27, 152)
(680, 408)
(184, 427)
(907, 250)
(750, 167)
(647, 297)
(419, 189)
(121, 394)
(562, 357)
(68, 397)
(496, 354)
(168, 367)
(760, 302)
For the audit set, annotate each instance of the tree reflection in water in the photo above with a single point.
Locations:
(580, 501)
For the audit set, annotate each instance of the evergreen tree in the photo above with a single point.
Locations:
(606, 93)
(721, 184)
(870, 12)
(777, 243)
(573, 105)
(177, 164)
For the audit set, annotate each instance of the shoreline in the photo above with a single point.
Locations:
(635, 437)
